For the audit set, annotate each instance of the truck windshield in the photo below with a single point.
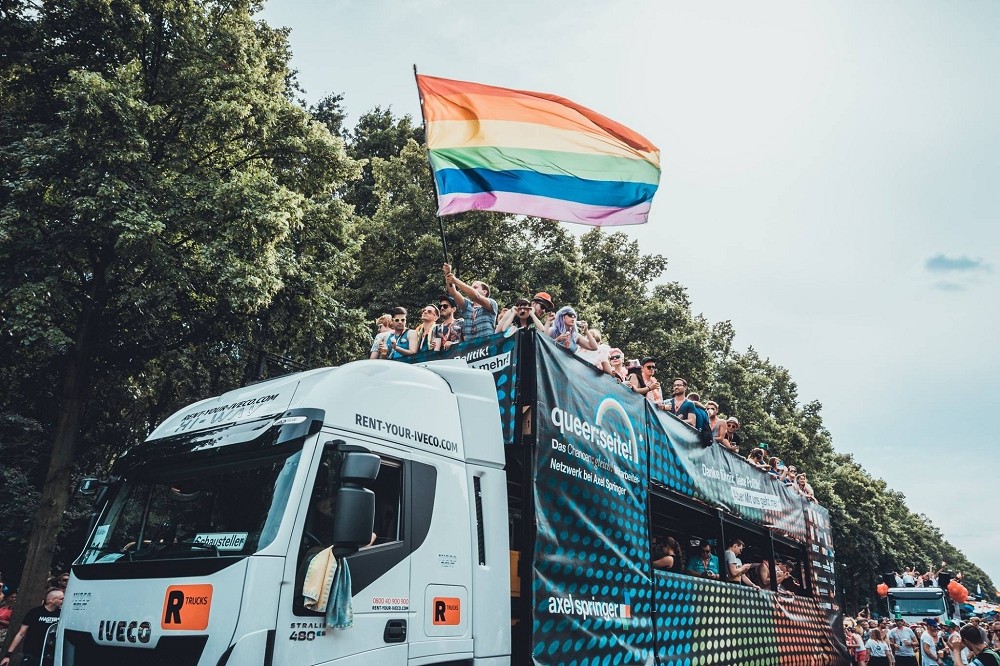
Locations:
(922, 607)
(214, 511)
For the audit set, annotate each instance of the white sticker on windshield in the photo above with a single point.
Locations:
(99, 534)
(223, 540)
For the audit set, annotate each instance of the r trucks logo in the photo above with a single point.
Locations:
(447, 611)
(186, 607)
(587, 608)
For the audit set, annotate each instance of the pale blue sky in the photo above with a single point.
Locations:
(830, 175)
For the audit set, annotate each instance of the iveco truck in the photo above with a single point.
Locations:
(495, 507)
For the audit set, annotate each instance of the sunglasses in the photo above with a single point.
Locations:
(399, 318)
(650, 367)
(615, 357)
(570, 314)
(442, 306)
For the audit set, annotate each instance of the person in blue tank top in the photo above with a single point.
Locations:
(402, 341)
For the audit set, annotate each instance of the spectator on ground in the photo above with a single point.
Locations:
(402, 341)
(31, 636)
(736, 570)
(570, 333)
(756, 458)
(521, 316)
(6, 611)
(449, 329)
(666, 554)
(732, 428)
(544, 309)
(679, 405)
(425, 331)
(384, 326)
(479, 311)
(904, 644)
(702, 562)
(980, 654)
(803, 488)
(855, 644)
(928, 644)
(878, 649)
(643, 382)
(616, 360)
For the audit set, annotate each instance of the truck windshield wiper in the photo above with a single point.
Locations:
(160, 550)
(192, 545)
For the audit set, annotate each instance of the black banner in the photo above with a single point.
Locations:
(592, 587)
(497, 353)
(595, 597)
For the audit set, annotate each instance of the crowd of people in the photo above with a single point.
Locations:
(30, 636)
(467, 311)
(925, 643)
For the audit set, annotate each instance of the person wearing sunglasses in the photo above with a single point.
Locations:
(643, 380)
(402, 341)
(425, 330)
(616, 359)
(679, 405)
(449, 329)
(384, 325)
(570, 333)
(702, 562)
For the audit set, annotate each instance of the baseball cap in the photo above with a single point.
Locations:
(450, 299)
(546, 300)
(522, 301)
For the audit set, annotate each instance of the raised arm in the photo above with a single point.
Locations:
(506, 319)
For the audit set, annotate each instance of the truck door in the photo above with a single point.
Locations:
(441, 563)
(380, 577)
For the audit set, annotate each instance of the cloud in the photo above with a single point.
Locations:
(939, 263)
(948, 286)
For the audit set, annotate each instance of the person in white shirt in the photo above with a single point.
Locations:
(928, 644)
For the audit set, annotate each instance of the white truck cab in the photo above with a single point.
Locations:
(198, 554)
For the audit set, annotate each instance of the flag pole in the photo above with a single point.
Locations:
(423, 122)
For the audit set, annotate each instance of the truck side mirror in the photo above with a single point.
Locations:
(354, 513)
(87, 487)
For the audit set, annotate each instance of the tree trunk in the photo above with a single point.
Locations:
(55, 493)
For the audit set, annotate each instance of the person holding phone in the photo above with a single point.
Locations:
(736, 570)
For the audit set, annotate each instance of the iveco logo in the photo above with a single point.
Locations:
(124, 631)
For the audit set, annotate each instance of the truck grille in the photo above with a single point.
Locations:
(81, 650)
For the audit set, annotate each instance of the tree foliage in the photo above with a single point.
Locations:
(166, 214)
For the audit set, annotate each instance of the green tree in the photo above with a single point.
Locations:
(161, 199)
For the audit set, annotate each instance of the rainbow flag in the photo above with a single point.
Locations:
(531, 153)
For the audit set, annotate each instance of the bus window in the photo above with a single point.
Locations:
(688, 528)
(789, 561)
(756, 550)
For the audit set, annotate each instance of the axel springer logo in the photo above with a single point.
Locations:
(587, 608)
